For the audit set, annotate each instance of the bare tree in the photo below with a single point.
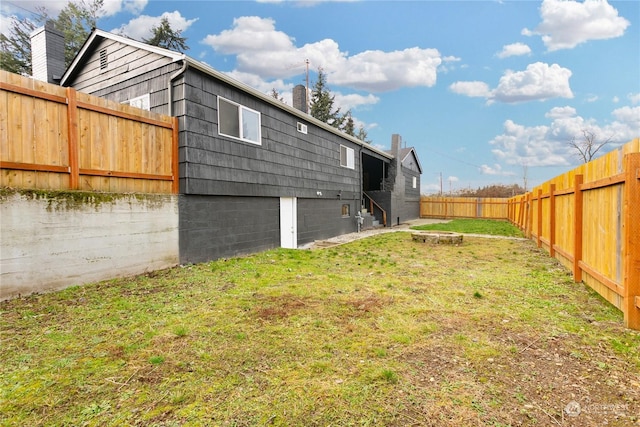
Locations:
(588, 146)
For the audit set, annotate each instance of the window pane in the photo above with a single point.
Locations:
(343, 155)
(250, 125)
(350, 158)
(228, 118)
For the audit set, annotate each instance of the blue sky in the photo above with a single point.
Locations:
(488, 92)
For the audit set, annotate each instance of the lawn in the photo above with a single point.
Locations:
(475, 226)
(382, 331)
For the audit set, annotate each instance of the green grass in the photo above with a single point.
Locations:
(475, 226)
(383, 331)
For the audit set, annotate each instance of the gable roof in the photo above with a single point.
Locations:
(406, 152)
(97, 36)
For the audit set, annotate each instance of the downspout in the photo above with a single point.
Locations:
(360, 196)
(172, 78)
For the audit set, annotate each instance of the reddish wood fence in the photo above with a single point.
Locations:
(587, 218)
(56, 138)
(463, 207)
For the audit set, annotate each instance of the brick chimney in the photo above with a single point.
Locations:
(47, 54)
(398, 207)
(396, 144)
(300, 98)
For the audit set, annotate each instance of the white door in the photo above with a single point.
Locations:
(288, 223)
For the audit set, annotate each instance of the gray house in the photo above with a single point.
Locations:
(255, 173)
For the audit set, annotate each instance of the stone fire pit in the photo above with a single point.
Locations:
(437, 237)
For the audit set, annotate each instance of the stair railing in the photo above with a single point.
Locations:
(373, 205)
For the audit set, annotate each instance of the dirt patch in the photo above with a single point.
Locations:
(280, 307)
(536, 381)
(367, 303)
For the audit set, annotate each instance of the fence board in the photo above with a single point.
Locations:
(463, 207)
(57, 138)
(587, 218)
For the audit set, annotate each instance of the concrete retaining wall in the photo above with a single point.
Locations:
(51, 240)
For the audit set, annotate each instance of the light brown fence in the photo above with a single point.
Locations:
(589, 219)
(59, 139)
(463, 207)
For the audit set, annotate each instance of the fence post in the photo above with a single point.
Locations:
(577, 228)
(72, 122)
(539, 222)
(631, 244)
(552, 220)
(529, 223)
(521, 216)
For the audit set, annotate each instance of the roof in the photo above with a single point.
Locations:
(405, 152)
(98, 35)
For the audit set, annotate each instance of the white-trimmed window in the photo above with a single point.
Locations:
(238, 121)
(347, 157)
(415, 182)
(142, 102)
(302, 128)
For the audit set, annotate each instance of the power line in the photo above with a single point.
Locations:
(32, 12)
(454, 159)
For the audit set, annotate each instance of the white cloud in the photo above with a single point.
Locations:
(449, 64)
(566, 24)
(140, 28)
(514, 49)
(472, 89)
(634, 98)
(354, 100)
(521, 145)
(539, 82)
(615, 99)
(548, 145)
(496, 169)
(561, 112)
(380, 71)
(256, 82)
(453, 179)
(112, 7)
(263, 50)
(592, 98)
(629, 117)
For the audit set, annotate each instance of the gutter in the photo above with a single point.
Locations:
(172, 78)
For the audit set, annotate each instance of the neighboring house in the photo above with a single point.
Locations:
(255, 173)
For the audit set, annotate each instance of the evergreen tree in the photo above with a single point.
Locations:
(75, 21)
(275, 94)
(15, 46)
(322, 103)
(349, 125)
(362, 135)
(166, 37)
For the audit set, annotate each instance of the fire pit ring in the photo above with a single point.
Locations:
(437, 237)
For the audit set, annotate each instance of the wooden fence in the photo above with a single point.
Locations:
(589, 219)
(58, 139)
(463, 207)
